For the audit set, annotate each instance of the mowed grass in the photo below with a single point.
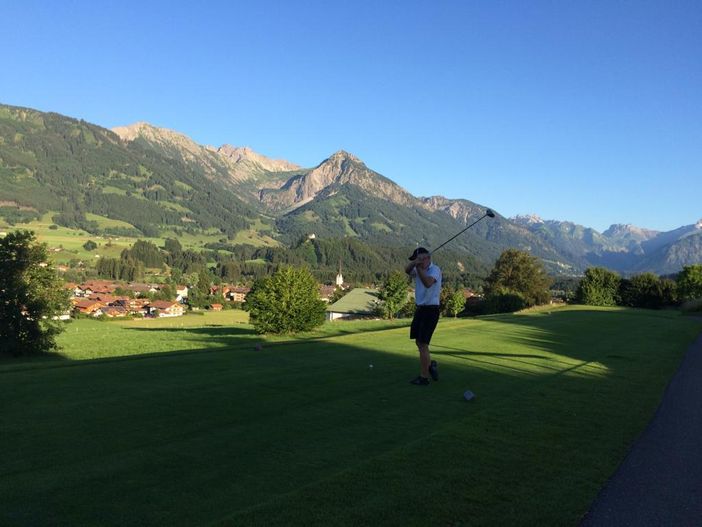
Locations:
(306, 433)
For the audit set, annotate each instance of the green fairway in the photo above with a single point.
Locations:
(304, 432)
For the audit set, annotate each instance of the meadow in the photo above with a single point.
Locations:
(66, 244)
(185, 422)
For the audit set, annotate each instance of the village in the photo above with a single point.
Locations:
(113, 299)
(105, 298)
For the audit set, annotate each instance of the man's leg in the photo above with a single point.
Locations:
(424, 358)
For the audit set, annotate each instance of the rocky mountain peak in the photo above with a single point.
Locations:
(698, 225)
(238, 154)
(159, 136)
(619, 230)
(343, 155)
(527, 219)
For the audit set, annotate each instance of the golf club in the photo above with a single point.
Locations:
(488, 213)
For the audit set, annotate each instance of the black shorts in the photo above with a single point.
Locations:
(424, 323)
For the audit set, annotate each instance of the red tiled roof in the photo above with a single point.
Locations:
(162, 304)
(84, 305)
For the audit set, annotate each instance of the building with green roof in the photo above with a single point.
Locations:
(357, 303)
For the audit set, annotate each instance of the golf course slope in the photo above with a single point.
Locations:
(187, 423)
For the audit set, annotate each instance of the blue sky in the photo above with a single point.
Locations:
(582, 111)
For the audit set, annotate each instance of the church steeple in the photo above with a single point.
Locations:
(339, 277)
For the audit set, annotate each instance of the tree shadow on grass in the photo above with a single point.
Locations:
(238, 336)
(11, 363)
(457, 352)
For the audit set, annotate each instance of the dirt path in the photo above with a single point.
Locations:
(660, 480)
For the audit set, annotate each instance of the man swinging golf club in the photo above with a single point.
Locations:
(427, 277)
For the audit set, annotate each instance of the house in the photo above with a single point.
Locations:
(98, 286)
(88, 307)
(165, 308)
(73, 288)
(216, 307)
(326, 292)
(357, 303)
(106, 298)
(114, 311)
(134, 306)
(181, 292)
(83, 291)
(237, 293)
(141, 289)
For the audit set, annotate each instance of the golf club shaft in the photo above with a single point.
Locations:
(464, 230)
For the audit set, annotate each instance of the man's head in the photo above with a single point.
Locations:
(421, 255)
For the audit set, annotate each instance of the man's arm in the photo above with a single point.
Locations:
(410, 267)
(425, 277)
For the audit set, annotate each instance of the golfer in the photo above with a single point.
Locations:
(427, 290)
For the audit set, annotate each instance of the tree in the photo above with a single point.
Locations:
(455, 303)
(643, 290)
(285, 302)
(689, 282)
(393, 294)
(172, 245)
(518, 272)
(199, 294)
(90, 245)
(145, 252)
(599, 287)
(230, 271)
(31, 296)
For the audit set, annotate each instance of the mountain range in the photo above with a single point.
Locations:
(159, 181)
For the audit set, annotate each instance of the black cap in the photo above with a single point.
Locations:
(417, 252)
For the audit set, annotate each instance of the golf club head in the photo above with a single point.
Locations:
(489, 213)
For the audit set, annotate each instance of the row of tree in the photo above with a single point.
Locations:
(602, 287)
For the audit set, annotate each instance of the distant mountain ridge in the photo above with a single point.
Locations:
(160, 180)
(623, 247)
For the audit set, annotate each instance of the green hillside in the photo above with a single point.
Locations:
(52, 163)
(347, 210)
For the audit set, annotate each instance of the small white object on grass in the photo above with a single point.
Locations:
(468, 395)
(370, 365)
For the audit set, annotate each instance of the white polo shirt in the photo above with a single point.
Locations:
(427, 296)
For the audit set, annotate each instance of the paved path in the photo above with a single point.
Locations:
(660, 481)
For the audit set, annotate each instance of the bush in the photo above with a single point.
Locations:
(692, 306)
(504, 301)
(599, 287)
(407, 310)
(689, 282)
(285, 302)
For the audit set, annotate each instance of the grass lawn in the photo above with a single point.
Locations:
(303, 432)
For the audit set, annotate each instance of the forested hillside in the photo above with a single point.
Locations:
(49, 162)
